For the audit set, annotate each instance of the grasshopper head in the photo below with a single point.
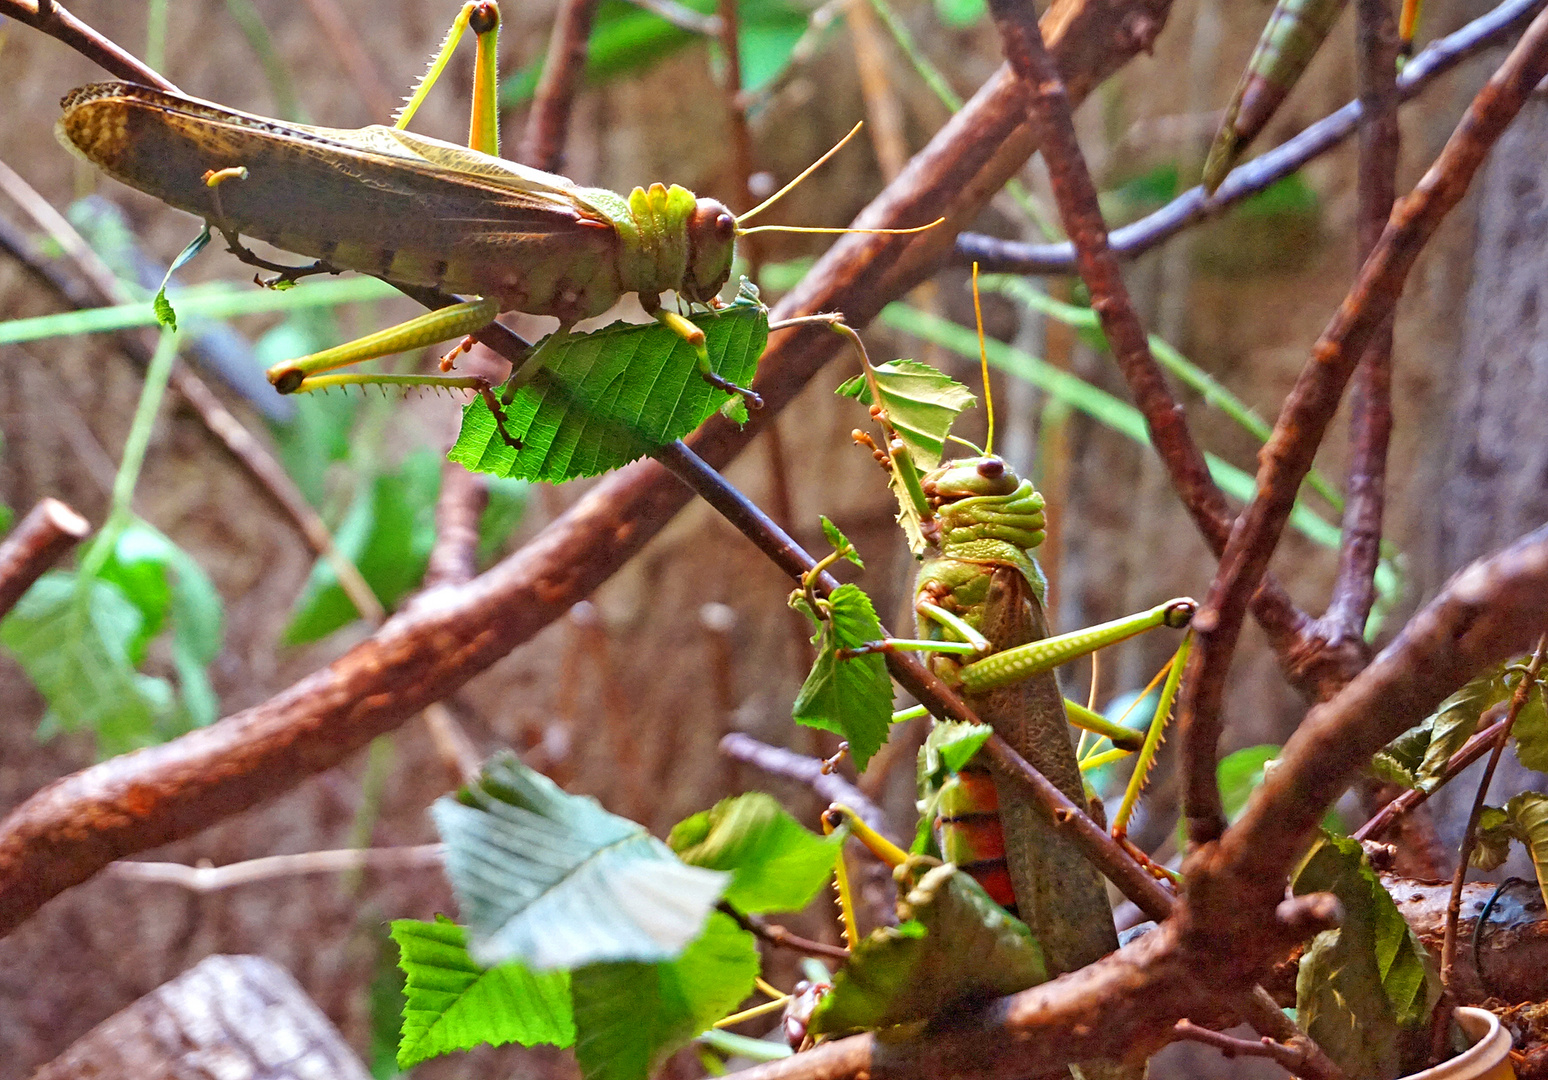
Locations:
(711, 243)
(982, 498)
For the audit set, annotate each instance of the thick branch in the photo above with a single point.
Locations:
(542, 144)
(1310, 406)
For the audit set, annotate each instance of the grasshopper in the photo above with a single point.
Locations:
(419, 212)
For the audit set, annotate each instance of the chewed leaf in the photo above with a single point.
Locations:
(556, 881)
(629, 1017)
(954, 945)
(775, 863)
(613, 395)
(454, 1004)
(850, 697)
(921, 404)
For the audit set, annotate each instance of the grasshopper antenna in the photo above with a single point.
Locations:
(983, 361)
(813, 167)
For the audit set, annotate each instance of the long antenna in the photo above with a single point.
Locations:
(813, 167)
(983, 361)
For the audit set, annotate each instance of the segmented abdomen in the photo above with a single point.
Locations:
(968, 832)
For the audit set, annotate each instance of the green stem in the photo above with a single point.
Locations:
(122, 511)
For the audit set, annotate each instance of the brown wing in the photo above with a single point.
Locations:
(375, 200)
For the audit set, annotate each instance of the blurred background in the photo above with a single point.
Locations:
(627, 698)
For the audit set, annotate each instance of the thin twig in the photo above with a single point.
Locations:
(458, 509)
(56, 22)
(48, 531)
(1518, 699)
(778, 936)
(778, 761)
(882, 107)
(542, 144)
(1230, 1046)
(1475, 748)
(1310, 407)
(682, 16)
(1193, 207)
(1370, 401)
(209, 879)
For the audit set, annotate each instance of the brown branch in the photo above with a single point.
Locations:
(1370, 420)
(1469, 752)
(1194, 207)
(48, 531)
(1309, 409)
(542, 144)
(778, 761)
(56, 22)
(70, 829)
(345, 43)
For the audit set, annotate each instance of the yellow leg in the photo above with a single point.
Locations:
(297, 376)
(694, 336)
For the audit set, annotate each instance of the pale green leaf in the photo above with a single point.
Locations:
(1531, 733)
(1340, 1004)
(629, 1017)
(775, 863)
(1529, 818)
(613, 395)
(840, 542)
(454, 1004)
(1491, 844)
(921, 404)
(556, 881)
(850, 697)
(953, 945)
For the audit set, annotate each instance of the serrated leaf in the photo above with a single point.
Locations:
(387, 533)
(1528, 813)
(840, 542)
(629, 1017)
(611, 396)
(775, 863)
(1373, 931)
(849, 697)
(556, 881)
(454, 1004)
(921, 405)
(954, 945)
(74, 641)
(1491, 845)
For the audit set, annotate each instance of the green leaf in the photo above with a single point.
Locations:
(1240, 774)
(454, 1004)
(1492, 839)
(961, 14)
(629, 1017)
(954, 945)
(556, 881)
(1417, 758)
(162, 579)
(850, 697)
(1529, 818)
(1373, 932)
(840, 542)
(613, 395)
(948, 748)
(775, 863)
(166, 318)
(1339, 1003)
(74, 642)
(1531, 732)
(921, 404)
(387, 533)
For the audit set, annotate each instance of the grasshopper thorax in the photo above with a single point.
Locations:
(981, 500)
(711, 244)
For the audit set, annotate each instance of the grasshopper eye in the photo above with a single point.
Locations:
(725, 227)
(991, 468)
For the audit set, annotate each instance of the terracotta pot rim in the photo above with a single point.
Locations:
(1491, 1045)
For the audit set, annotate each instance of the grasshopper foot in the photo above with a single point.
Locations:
(753, 400)
(497, 410)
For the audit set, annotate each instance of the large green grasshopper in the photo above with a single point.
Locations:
(417, 212)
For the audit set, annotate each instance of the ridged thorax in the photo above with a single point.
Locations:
(986, 515)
